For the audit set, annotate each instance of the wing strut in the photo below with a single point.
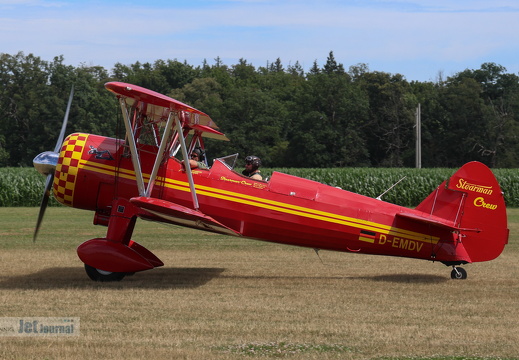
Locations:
(186, 163)
(133, 148)
(160, 154)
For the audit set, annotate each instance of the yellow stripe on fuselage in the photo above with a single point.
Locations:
(263, 203)
(298, 210)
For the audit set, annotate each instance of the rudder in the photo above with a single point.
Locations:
(473, 200)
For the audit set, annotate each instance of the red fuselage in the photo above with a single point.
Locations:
(93, 171)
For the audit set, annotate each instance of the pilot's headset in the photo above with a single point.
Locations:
(254, 160)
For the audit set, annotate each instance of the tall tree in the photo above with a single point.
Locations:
(326, 132)
(24, 110)
(495, 142)
(389, 132)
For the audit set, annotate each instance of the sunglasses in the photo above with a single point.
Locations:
(194, 156)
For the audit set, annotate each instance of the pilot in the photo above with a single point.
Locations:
(197, 158)
(252, 164)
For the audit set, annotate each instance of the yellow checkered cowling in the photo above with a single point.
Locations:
(67, 168)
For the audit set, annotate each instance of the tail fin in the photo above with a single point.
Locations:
(473, 200)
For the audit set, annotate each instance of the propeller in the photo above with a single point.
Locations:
(45, 163)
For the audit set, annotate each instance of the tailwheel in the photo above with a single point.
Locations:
(104, 276)
(458, 273)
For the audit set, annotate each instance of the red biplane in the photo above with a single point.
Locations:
(462, 221)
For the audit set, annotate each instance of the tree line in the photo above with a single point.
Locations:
(324, 117)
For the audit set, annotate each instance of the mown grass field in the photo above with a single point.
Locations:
(225, 298)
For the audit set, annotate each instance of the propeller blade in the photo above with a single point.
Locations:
(43, 204)
(65, 120)
(46, 163)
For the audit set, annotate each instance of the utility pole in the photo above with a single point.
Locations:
(418, 138)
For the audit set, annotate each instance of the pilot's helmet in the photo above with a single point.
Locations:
(198, 151)
(254, 160)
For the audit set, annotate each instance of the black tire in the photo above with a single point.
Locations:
(458, 273)
(103, 276)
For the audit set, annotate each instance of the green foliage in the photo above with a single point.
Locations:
(327, 117)
(21, 187)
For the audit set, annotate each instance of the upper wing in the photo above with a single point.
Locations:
(157, 106)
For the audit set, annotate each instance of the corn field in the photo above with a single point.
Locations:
(20, 187)
(24, 186)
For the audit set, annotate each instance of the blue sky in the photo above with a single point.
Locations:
(420, 39)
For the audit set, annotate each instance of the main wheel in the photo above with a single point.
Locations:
(101, 275)
(458, 273)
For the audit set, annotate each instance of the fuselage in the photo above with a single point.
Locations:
(93, 170)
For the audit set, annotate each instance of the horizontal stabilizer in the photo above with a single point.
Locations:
(166, 211)
(436, 221)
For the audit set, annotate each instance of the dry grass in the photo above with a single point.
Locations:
(225, 298)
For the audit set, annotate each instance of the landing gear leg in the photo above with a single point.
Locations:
(458, 273)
